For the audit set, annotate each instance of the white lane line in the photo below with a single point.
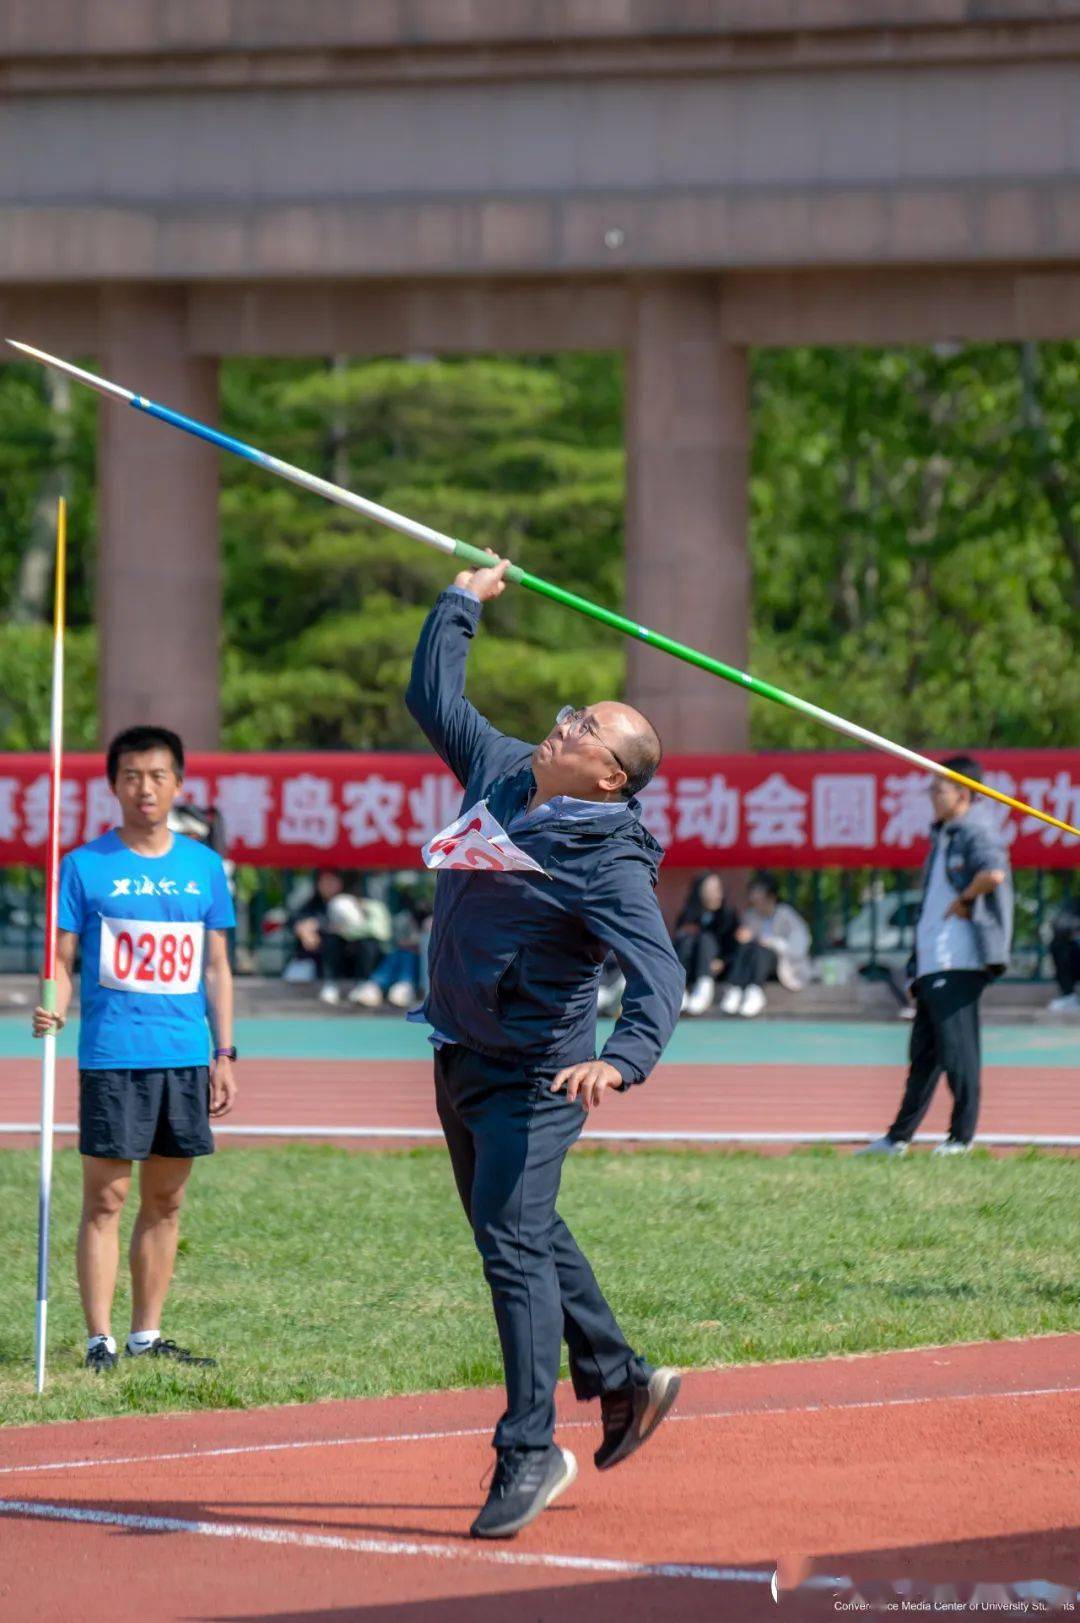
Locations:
(485, 1555)
(854, 1135)
(389, 1547)
(254, 1448)
(485, 1431)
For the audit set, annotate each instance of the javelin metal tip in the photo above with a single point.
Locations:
(91, 379)
(38, 354)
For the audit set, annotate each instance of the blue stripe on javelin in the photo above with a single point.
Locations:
(190, 426)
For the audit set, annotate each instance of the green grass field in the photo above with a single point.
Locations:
(316, 1272)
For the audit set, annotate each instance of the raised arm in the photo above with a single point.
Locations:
(464, 739)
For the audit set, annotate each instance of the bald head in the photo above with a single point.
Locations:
(634, 740)
(605, 751)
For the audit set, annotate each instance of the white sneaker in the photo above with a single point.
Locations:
(906, 1011)
(402, 995)
(753, 1001)
(609, 997)
(701, 998)
(299, 972)
(367, 995)
(883, 1146)
(1068, 1003)
(731, 1001)
(951, 1146)
(330, 994)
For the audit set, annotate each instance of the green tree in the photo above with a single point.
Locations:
(488, 449)
(915, 566)
(915, 538)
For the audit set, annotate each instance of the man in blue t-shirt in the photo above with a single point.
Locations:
(149, 910)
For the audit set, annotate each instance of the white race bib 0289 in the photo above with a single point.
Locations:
(479, 843)
(147, 955)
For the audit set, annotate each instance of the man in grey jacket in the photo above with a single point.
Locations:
(962, 940)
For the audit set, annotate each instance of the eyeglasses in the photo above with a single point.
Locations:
(580, 725)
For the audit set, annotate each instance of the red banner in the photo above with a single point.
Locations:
(813, 810)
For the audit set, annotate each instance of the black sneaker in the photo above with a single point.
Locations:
(526, 1481)
(632, 1414)
(169, 1349)
(99, 1358)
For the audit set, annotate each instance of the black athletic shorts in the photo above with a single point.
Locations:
(128, 1115)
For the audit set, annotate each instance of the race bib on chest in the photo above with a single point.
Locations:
(478, 842)
(144, 955)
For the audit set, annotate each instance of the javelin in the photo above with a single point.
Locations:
(48, 989)
(521, 577)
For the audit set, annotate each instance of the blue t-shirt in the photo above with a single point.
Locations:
(142, 924)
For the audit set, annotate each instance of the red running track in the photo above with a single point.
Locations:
(750, 1099)
(945, 1466)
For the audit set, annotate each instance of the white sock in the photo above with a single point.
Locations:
(140, 1341)
(95, 1341)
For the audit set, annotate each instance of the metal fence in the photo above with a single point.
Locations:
(856, 916)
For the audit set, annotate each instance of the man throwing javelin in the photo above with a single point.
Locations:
(514, 961)
(149, 910)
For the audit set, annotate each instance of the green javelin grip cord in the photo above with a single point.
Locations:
(478, 559)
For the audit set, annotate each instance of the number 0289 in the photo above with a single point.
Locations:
(148, 955)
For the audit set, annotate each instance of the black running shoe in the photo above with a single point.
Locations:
(632, 1414)
(99, 1358)
(169, 1349)
(526, 1481)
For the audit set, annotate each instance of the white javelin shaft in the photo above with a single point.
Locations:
(48, 1099)
(262, 459)
(48, 995)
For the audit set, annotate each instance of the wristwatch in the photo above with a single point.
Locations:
(224, 1053)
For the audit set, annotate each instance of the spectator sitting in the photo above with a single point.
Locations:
(308, 926)
(1065, 951)
(355, 937)
(397, 977)
(773, 944)
(704, 941)
(612, 986)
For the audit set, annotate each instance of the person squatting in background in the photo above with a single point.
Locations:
(342, 937)
(1065, 951)
(356, 938)
(309, 926)
(397, 978)
(773, 944)
(705, 941)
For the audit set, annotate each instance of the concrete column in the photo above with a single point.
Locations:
(159, 570)
(687, 567)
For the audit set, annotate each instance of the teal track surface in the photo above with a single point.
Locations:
(709, 1042)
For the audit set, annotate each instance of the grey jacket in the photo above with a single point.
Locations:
(971, 845)
(788, 934)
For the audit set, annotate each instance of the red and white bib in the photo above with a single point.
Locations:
(477, 842)
(147, 955)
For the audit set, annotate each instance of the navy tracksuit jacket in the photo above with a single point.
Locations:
(514, 960)
(514, 963)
